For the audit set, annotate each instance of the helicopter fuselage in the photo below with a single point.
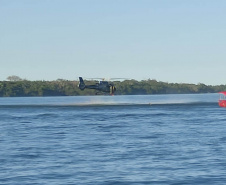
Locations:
(102, 86)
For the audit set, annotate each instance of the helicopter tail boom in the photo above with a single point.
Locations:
(81, 85)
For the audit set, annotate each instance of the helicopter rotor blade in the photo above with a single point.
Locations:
(105, 79)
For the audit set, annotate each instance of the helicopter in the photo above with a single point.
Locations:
(102, 86)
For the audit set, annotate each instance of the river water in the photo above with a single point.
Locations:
(103, 140)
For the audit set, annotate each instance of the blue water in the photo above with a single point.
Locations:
(103, 140)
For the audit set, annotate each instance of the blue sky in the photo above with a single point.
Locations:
(178, 41)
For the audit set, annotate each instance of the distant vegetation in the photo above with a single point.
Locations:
(17, 87)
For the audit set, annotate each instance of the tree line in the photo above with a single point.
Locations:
(60, 87)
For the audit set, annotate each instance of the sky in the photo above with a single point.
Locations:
(175, 41)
